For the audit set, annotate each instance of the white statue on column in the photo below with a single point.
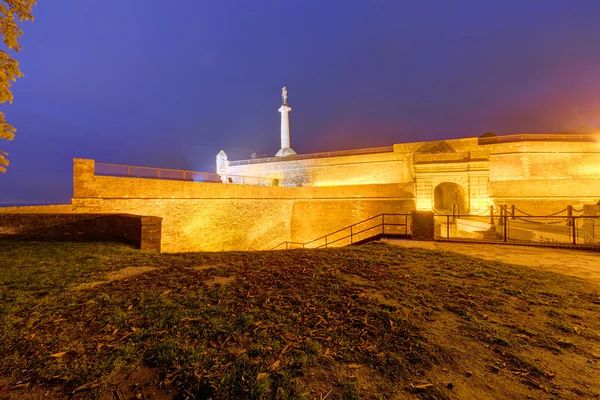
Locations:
(286, 149)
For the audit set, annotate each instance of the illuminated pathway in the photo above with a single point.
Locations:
(581, 264)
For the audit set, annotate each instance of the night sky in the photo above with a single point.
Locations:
(170, 83)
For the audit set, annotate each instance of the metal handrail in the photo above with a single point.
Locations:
(364, 230)
(352, 233)
(186, 175)
(372, 150)
(349, 226)
(153, 168)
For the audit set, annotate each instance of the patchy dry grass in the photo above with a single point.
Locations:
(373, 321)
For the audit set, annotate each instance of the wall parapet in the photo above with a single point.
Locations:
(326, 154)
(537, 137)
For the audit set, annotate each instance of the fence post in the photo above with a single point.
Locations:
(502, 211)
(492, 215)
(570, 215)
(574, 226)
(512, 212)
(447, 227)
(454, 212)
(505, 224)
(351, 236)
(383, 224)
(128, 171)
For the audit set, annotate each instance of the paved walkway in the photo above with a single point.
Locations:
(582, 264)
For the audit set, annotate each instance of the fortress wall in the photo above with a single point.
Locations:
(545, 177)
(238, 224)
(215, 217)
(538, 177)
(313, 219)
(546, 196)
(546, 165)
(543, 147)
(88, 185)
(564, 188)
(378, 168)
(207, 225)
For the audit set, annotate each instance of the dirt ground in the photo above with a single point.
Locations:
(578, 263)
(363, 322)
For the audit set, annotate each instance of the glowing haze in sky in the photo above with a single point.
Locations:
(170, 83)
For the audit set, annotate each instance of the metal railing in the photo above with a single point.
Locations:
(130, 171)
(373, 150)
(560, 230)
(548, 137)
(382, 225)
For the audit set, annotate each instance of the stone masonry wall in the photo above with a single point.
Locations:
(142, 232)
(379, 168)
(215, 217)
(207, 225)
(313, 219)
(538, 177)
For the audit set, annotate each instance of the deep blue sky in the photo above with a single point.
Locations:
(170, 83)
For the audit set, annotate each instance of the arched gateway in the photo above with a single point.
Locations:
(445, 195)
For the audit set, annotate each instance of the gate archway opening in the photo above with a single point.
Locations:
(445, 195)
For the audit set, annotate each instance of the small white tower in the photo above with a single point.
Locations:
(222, 163)
(286, 149)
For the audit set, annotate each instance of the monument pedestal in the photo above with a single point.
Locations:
(285, 152)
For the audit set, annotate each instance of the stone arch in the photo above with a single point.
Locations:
(445, 194)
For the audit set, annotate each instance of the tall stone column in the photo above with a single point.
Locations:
(285, 150)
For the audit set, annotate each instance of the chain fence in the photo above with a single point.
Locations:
(507, 228)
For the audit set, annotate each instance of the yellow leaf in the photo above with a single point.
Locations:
(262, 375)
(275, 365)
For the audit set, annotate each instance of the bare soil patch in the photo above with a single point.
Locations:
(221, 280)
(124, 273)
(578, 263)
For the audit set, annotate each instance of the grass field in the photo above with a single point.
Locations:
(94, 320)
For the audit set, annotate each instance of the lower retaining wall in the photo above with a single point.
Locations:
(140, 231)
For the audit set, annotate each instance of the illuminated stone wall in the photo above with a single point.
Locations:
(212, 217)
(538, 177)
(380, 168)
(542, 177)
